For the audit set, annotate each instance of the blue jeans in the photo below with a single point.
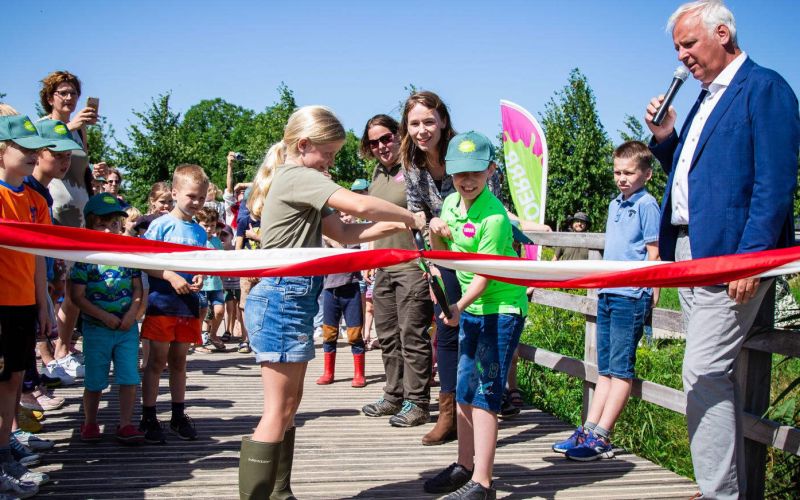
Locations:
(341, 301)
(620, 325)
(486, 346)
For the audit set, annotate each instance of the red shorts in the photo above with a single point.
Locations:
(172, 329)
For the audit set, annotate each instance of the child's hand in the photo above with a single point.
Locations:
(110, 321)
(197, 283)
(127, 321)
(179, 284)
(440, 228)
(43, 315)
(456, 316)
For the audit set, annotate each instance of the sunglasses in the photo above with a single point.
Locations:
(385, 139)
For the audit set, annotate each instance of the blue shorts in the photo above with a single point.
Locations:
(214, 298)
(486, 345)
(620, 324)
(101, 346)
(279, 317)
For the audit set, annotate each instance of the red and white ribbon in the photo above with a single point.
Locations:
(100, 248)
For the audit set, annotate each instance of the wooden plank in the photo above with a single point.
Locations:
(339, 452)
(783, 342)
(592, 241)
(783, 437)
(590, 345)
(564, 300)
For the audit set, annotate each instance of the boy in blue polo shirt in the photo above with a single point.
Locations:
(631, 234)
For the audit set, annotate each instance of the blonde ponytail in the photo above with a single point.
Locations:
(275, 157)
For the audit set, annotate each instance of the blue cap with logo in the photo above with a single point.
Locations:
(57, 133)
(469, 152)
(20, 130)
(104, 204)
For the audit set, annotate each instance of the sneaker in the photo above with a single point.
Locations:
(72, 366)
(45, 398)
(380, 408)
(244, 348)
(507, 410)
(153, 433)
(20, 472)
(32, 441)
(574, 440)
(473, 491)
(22, 453)
(129, 434)
(27, 422)
(410, 415)
(90, 433)
(14, 488)
(55, 370)
(183, 427)
(593, 448)
(452, 478)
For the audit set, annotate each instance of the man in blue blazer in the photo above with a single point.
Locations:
(732, 175)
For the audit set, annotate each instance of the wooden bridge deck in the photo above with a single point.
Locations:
(339, 452)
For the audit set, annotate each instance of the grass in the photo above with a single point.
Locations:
(645, 429)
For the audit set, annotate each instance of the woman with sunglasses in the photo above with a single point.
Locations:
(400, 296)
(112, 185)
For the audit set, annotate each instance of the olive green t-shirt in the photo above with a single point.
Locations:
(390, 185)
(294, 208)
(485, 228)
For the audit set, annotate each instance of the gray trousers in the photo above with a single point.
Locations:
(403, 315)
(716, 328)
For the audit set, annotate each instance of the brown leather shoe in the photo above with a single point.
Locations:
(445, 428)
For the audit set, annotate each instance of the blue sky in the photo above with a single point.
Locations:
(358, 56)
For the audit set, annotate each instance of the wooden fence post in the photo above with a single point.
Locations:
(590, 345)
(754, 374)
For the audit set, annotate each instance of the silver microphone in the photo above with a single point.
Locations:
(680, 75)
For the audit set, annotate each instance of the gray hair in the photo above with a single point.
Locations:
(712, 12)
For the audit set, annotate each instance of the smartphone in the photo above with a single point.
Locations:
(93, 102)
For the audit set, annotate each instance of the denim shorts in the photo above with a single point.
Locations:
(101, 346)
(486, 345)
(214, 298)
(620, 324)
(279, 317)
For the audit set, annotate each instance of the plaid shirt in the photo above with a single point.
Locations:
(422, 195)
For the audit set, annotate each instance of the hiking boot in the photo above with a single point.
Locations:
(410, 415)
(452, 478)
(129, 434)
(473, 491)
(20, 472)
(380, 408)
(15, 488)
(574, 440)
(90, 433)
(593, 447)
(32, 441)
(153, 433)
(183, 427)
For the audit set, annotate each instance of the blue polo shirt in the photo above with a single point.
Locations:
(631, 224)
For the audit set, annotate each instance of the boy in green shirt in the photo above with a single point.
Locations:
(490, 314)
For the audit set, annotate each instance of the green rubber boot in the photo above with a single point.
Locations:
(258, 468)
(283, 490)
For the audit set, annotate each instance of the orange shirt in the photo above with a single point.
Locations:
(17, 269)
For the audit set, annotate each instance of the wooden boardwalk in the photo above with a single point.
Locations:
(339, 452)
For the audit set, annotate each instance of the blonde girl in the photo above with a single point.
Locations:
(160, 198)
(297, 202)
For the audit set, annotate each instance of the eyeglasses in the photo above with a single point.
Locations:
(65, 93)
(385, 139)
(112, 182)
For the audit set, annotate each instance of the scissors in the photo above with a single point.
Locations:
(434, 281)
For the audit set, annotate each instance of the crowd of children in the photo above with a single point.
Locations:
(173, 314)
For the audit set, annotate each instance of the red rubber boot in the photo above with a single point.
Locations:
(328, 369)
(358, 371)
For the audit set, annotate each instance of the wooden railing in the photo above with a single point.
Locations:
(753, 374)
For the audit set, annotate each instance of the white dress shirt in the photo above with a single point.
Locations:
(680, 183)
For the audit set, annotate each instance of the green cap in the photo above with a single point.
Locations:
(359, 185)
(57, 133)
(103, 204)
(469, 152)
(20, 129)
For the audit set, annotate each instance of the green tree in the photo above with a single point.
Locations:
(155, 149)
(349, 165)
(210, 129)
(98, 142)
(635, 131)
(579, 176)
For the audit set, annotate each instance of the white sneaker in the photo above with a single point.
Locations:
(17, 488)
(55, 370)
(72, 366)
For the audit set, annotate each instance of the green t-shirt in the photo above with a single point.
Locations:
(485, 228)
(294, 208)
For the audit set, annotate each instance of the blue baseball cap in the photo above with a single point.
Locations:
(468, 152)
(56, 132)
(20, 130)
(104, 204)
(359, 185)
